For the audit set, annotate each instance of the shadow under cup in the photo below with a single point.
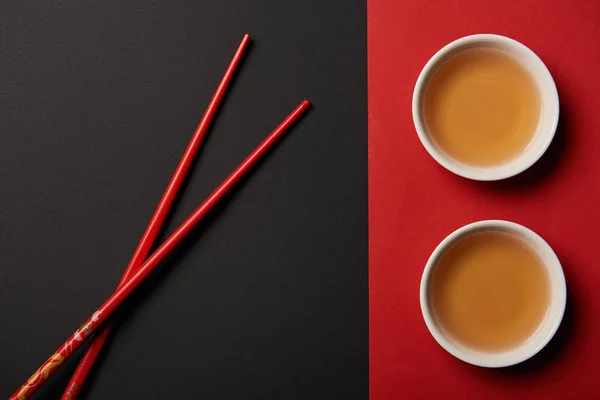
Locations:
(508, 342)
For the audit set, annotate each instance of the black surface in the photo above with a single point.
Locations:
(97, 102)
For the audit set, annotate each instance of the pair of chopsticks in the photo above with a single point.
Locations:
(141, 265)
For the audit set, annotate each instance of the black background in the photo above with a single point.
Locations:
(98, 100)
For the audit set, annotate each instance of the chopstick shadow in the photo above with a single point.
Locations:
(147, 288)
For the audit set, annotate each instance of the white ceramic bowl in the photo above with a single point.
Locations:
(546, 125)
(546, 329)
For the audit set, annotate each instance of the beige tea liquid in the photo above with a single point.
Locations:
(481, 106)
(490, 291)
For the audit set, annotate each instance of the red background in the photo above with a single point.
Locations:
(414, 203)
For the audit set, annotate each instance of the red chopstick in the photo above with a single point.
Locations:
(91, 325)
(157, 220)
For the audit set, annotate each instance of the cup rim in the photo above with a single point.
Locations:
(547, 328)
(522, 161)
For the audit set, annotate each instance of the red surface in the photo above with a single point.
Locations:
(414, 203)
